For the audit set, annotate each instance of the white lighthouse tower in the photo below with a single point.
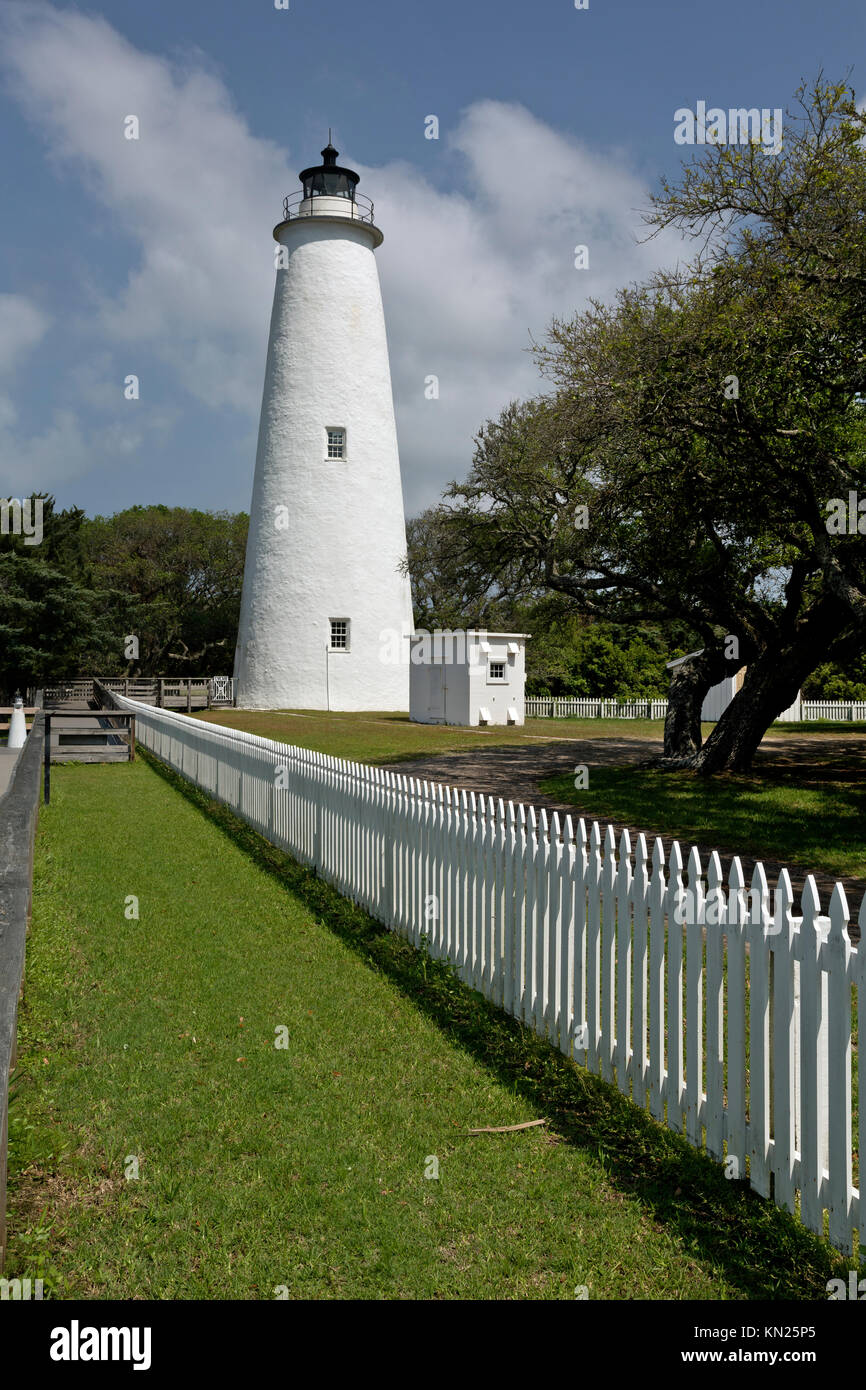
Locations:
(322, 579)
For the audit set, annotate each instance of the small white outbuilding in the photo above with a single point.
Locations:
(470, 678)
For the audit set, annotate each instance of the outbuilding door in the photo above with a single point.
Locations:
(437, 692)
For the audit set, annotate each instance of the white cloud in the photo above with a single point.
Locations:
(56, 453)
(467, 275)
(22, 326)
(197, 192)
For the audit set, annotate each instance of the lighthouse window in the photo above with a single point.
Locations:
(339, 634)
(336, 444)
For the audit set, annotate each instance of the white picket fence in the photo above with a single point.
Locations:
(847, 710)
(735, 1027)
(562, 707)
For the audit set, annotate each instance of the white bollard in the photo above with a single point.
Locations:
(17, 725)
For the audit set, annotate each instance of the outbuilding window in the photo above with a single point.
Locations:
(496, 671)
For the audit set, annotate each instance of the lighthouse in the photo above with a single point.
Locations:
(324, 590)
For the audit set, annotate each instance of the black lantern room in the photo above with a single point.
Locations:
(328, 179)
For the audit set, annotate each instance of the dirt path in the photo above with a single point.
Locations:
(514, 773)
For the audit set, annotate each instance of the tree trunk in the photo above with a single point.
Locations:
(771, 684)
(689, 685)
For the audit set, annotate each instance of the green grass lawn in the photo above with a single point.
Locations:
(304, 1167)
(814, 817)
(387, 738)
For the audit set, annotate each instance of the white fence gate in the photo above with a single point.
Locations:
(221, 690)
(717, 1007)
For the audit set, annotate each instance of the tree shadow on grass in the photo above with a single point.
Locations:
(796, 815)
(762, 1251)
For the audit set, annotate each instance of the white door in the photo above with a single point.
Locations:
(437, 692)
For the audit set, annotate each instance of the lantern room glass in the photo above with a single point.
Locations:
(329, 179)
(330, 183)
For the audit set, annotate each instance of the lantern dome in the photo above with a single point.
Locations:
(329, 179)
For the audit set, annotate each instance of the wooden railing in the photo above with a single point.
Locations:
(30, 694)
(68, 690)
(86, 743)
(136, 687)
(167, 692)
(19, 810)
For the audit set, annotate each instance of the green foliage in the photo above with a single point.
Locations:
(178, 574)
(830, 681)
(53, 621)
(605, 667)
(171, 576)
(446, 593)
(567, 656)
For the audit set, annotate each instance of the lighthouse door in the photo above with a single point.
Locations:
(437, 692)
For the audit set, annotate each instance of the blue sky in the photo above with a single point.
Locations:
(154, 256)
